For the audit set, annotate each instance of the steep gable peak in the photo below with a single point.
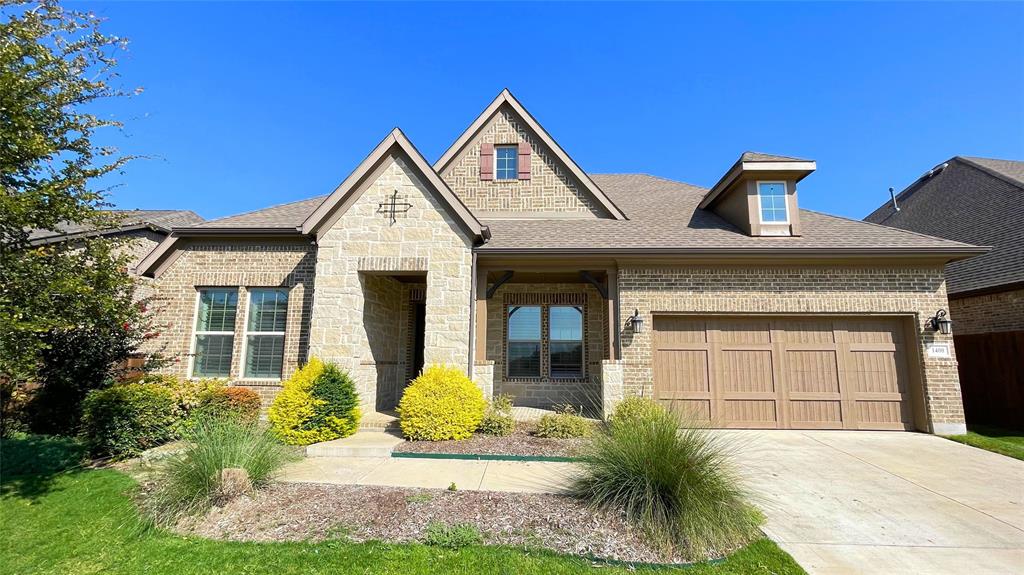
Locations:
(505, 108)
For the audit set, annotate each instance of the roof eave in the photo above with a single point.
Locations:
(951, 253)
(800, 170)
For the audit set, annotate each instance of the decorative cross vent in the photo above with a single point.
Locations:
(393, 206)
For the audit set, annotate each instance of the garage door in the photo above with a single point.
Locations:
(798, 373)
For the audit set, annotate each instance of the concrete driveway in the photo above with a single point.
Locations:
(886, 502)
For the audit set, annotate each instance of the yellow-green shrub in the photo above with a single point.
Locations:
(187, 392)
(299, 417)
(633, 409)
(442, 403)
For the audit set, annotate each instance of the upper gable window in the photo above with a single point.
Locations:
(506, 162)
(772, 198)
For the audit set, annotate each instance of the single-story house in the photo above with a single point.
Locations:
(504, 258)
(977, 201)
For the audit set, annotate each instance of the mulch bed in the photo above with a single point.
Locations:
(521, 442)
(300, 512)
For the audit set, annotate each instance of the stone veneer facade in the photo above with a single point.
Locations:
(988, 313)
(914, 291)
(550, 189)
(357, 312)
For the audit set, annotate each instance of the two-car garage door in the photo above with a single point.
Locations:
(791, 372)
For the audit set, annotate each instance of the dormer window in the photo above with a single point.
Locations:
(506, 166)
(772, 199)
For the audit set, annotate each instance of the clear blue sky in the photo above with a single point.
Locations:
(250, 105)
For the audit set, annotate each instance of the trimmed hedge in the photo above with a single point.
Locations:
(234, 402)
(318, 403)
(125, 420)
(442, 403)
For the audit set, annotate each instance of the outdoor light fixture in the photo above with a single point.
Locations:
(636, 321)
(941, 324)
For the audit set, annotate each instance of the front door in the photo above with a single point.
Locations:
(418, 325)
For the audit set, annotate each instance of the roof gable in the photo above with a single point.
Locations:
(394, 144)
(505, 101)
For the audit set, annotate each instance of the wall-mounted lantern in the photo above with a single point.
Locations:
(636, 321)
(941, 323)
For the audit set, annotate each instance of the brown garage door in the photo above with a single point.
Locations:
(799, 373)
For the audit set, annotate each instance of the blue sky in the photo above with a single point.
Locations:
(251, 105)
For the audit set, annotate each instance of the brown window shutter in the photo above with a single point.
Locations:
(524, 160)
(486, 161)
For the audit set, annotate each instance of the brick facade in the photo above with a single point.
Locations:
(988, 313)
(915, 291)
(550, 187)
(241, 265)
(544, 392)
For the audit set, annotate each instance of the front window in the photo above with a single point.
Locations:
(773, 202)
(264, 333)
(215, 332)
(524, 341)
(505, 162)
(566, 341)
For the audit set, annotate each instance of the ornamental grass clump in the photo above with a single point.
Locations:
(192, 481)
(442, 403)
(672, 481)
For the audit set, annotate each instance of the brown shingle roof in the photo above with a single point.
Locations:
(974, 200)
(663, 214)
(163, 220)
(759, 157)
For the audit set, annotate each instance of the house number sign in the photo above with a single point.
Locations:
(393, 205)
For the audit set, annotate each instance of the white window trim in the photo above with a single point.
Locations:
(514, 147)
(246, 333)
(196, 333)
(583, 346)
(785, 195)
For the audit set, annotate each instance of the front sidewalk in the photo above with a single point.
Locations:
(516, 476)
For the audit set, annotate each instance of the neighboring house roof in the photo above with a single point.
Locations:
(505, 98)
(157, 220)
(974, 200)
(663, 216)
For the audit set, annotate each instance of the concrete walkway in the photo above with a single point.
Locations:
(522, 476)
(840, 502)
(846, 502)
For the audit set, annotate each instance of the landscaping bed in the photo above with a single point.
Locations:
(357, 513)
(520, 442)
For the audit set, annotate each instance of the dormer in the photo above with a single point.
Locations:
(758, 194)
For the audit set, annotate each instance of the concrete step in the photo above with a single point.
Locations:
(361, 444)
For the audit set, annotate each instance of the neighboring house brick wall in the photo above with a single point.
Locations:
(785, 289)
(549, 189)
(988, 313)
(241, 264)
(363, 243)
(546, 393)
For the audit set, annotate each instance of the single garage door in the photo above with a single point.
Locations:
(791, 373)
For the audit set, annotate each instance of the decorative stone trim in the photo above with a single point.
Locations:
(384, 264)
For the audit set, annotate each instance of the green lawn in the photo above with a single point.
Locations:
(82, 522)
(1005, 442)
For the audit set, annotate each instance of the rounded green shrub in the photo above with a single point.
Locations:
(672, 480)
(125, 420)
(228, 402)
(632, 409)
(498, 419)
(318, 403)
(563, 424)
(442, 403)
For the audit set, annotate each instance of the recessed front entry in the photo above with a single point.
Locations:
(793, 372)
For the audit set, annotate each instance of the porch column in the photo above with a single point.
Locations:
(481, 315)
(613, 314)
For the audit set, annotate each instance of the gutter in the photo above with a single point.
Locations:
(958, 252)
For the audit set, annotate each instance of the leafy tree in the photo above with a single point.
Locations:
(66, 310)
